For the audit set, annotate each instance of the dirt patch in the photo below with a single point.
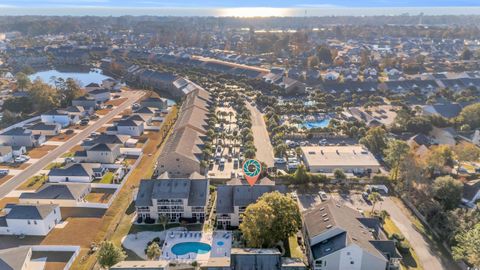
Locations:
(76, 148)
(78, 231)
(15, 166)
(103, 111)
(116, 102)
(62, 137)
(98, 197)
(41, 151)
(7, 200)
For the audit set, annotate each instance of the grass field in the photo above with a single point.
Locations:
(295, 250)
(33, 183)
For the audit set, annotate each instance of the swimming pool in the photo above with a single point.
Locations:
(316, 124)
(187, 247)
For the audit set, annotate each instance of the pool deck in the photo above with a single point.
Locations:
(214, 239)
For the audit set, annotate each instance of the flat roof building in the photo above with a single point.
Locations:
(352, 158)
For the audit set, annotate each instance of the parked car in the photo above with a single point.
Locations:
(323, 195)
(69, 131)
(84, 122)
(221, 162)
(4, 172)
(280, 160)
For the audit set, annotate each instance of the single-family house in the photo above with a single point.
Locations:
(339, 237)
(24, 219)
(99, 153)
(100, 95)
(63, 194)
(154, 102)
(18, 258)
(129, 127)
(21, 137)
(85, 101)
(92, 86)
(60, 117)
(77, 172)
(106, 139)
(46, 129)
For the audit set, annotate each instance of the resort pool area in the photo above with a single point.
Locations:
(316, 124)
(188, 247)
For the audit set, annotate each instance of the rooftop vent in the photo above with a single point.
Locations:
(323, 208)
(324, 215)
(329, 226)
(326, 219)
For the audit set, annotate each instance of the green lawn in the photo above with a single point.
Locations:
(53, 165)
(107, 178)
(410, 261)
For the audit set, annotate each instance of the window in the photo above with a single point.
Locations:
(28, 222)
(35, 222)
(352, 262)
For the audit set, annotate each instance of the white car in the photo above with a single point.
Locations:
(323, 195)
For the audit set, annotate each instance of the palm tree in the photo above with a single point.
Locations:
(374, 197)
(163, 220)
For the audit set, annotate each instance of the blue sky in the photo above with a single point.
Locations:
(238, 3)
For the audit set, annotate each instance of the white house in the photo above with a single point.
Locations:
(77, 172)
(6, 154)
(100, 95)
(36, 220)
(51, 129)
(91, 87)
(339, 237)
(130, 127)
(62, 118)
(21, 137)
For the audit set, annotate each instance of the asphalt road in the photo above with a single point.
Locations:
(26, 174)
(261, 138)
(429, 257)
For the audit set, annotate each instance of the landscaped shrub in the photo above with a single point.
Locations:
(139, 220)
(403, 247)
(398, 237)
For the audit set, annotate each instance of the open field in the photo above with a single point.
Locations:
(41, 151)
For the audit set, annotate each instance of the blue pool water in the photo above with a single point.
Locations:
(316, 124)
(220, 243)
(187, 247)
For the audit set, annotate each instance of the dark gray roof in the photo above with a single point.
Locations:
(386, 247)
(129, 123)
(195, 189)
(357, 229)
(470, 189)
(75, 169)
(448, 110)
(14, 258)
(239, 193)
(102, 147)
(38, 212)
(108, 139)
(43, 126)
(18, 131)
(64, 191)
(99, 91)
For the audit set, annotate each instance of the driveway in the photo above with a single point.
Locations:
(261, 138)
(28, 172)
(428, 256)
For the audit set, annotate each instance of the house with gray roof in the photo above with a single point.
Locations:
(339, 237)
(85, 101)
(129, 126)
(63, 194)
(234, 197)
(77, 172)
(16, 258)
(104, 153)
(176, 198)
(25, 219)
(20, 136)
(106, 139)
(61, 117)
(46, 129)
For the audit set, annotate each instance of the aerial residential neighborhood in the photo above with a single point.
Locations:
(239, 136)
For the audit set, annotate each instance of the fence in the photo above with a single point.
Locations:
(74, 249)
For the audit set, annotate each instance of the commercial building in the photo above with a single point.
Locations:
(352, 159)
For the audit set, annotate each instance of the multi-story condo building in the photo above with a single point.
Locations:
(176, 198)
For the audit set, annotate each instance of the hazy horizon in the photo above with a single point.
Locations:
(246, 8)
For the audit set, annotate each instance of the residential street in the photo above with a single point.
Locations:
(30, 171)
(429, 258)
(260, 136)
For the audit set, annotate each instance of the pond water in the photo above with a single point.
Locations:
(83, 77)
